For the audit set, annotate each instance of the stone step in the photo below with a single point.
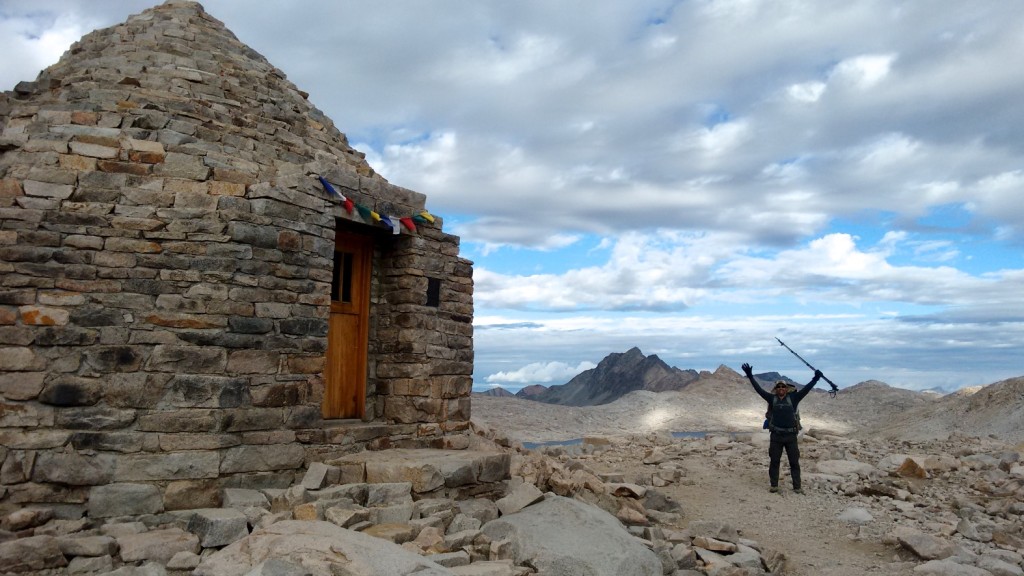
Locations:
(430, 471)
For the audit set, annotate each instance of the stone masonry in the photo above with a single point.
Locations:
(166, 256)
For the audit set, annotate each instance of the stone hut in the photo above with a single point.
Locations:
(202, 284)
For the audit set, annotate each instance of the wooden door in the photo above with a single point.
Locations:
(345, 373)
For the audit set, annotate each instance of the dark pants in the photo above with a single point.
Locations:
(782, 441)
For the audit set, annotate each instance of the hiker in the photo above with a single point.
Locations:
(784, 424)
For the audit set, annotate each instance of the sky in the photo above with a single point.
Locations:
(692, 178)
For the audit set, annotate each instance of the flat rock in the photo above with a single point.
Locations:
(564, 537)
(322, 549)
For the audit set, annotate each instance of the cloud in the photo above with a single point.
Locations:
(660, 272)
(808, 92)
(863, 71)
(540, 373)
(33, 41)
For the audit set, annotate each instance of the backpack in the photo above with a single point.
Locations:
(768, 414)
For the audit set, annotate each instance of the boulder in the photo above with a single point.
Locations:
(321, 549)
(564, 537)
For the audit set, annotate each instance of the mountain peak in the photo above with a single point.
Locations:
(618, 374)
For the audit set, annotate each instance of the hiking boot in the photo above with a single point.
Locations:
(773, 489)
(798, 490)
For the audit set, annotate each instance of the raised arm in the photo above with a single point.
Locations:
(749, 371)
(799, 395)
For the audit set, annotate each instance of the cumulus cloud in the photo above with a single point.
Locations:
(540, 373)
(863, 71)
(33, 41)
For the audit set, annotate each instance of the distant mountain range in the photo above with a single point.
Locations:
(615, 376)
(497, 392)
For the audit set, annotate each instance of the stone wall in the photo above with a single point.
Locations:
(165, 267)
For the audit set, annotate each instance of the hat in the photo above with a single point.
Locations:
(780, 384)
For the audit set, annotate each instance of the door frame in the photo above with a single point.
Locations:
(345, 372)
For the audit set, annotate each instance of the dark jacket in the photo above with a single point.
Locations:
(783, 420)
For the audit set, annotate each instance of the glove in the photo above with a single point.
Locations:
(818, 374)
(748, 369)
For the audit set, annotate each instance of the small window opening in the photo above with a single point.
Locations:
(433, 292)
(341, 281)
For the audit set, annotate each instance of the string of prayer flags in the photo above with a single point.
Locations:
(394, 222)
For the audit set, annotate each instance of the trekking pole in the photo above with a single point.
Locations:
(834, 389)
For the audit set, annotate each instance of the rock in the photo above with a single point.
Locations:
(949, 568)
(455, 540)
(88, 565)
(973, 531)
(657, 500)
(487, 568)
(92, 546)
(183, 561)
(346, 515)
(714, 563)
(324, 550)
(627, 490)
(521, 496)
(397, 533)
(714, 545)
(319, 475)
(999, 567)
(655, 456)
(149, 569)
(241, 498)
(26, 518)
(388, 494)
(481, 509)
(451, 559)
(124, 499)
(157, 545)
(845, 467)
(563, 537)
(716, 530)
(278, 567)
(217, 527)
(923, 545)
(32, 554)
(856, 515)
(911, 469)
(290, 498)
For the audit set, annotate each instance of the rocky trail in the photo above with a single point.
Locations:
(892, 483)
(804, 527)
(869, 513)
